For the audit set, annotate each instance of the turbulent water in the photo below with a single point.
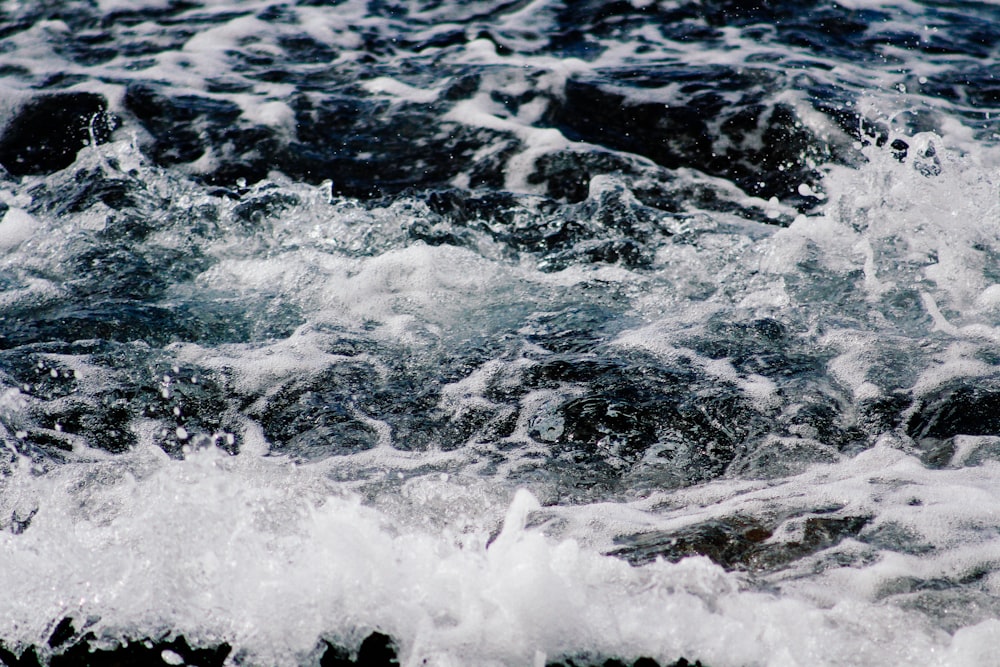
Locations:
(504, 332)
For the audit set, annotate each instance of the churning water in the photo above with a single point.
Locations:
(518, 333)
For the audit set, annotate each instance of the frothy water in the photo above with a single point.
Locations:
(518, 332)
(270, 556)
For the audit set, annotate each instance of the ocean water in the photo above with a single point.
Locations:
(506, 332)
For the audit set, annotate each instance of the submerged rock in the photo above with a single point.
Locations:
(377, 650)
(614, 662)
(68, 648)
(83, 652)
(48, 131)
(742, 543)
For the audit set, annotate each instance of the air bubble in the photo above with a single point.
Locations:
(171, 658)
(772, 208)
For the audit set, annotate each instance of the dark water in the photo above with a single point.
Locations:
(295, 297)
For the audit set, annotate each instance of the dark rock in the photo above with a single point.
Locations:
(671, 137)
(567, 174)
(28, 658)
(63, 632)
(315, 417)
(631, 404)
(377, 650)
(613, 251)
(579, 328)
(740, 542)
(728, 542)
(893, 536)
(139, 383)
(615, 662)
(820, 532)
(758, 143)
(967, 406)
(139, 653)
(50, 129)
(181, 126)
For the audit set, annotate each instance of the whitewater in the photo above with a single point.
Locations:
(499, 333)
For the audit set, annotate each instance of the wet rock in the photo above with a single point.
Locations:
(48, 131)
(140, 654)
(758, 143)
(742, 543)
(69, 647)
(671, 137)
(184, 126)
(962, 407)
(29, 658)
(775, 457)
(73, 649)
(577, 329)
(818, 533)
(122, 321)
(894, 536)
(728, 542)
(883, 413)
(615, 662)
(254, 210)
(625, 252)
(317, 416)
(765, 346)
(634, 405)
(482, 209)
(567, 174)
(63, 404)
(377, 650)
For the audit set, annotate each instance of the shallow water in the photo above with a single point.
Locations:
(518, 332)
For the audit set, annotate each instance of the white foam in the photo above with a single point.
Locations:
(16, 227)
(397, 89)
(147, 543)
(273, 113)
(107, 6)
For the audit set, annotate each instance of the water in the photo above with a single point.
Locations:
(516, 332)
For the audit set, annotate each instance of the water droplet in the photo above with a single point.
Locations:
(171, 658)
